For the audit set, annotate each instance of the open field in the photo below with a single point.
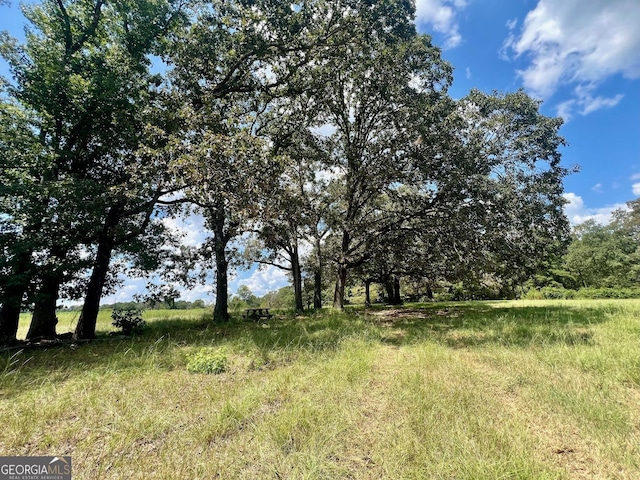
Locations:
(477, 390)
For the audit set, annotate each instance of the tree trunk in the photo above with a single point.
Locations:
(297, 278)
(44, 320)
(9, 320)
(429, 291)
(317, 278)
(367, 295)
(221, 309)
(11, 299)
(86, 328)
(392, 286)
(341, 281)
(10, 312)
(388, 286)
(397, 300)
(317, 289)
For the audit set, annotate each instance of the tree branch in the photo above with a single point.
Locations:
(91, 29)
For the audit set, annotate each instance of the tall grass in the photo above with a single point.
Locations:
(545, 389)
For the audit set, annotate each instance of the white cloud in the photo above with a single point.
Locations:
(579, 43)
(131, 287)
(265, 280)
(511, 24)
(565, 110)
(328, 174)
(590, 104)
(325, 130)
(468, 72)
(441, 15)
(198, 292)
(585, 103)
(597, 188)
(635, 176)
(191, 228)
(577, 212)
(636, 189)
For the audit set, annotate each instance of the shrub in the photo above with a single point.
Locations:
(608, 293)
(552, 293)
(534, 294)
(207, 360)
(129, 320)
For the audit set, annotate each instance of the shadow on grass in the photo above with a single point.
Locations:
(162, 344)
(479, 324)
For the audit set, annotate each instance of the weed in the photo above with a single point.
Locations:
(207, 360)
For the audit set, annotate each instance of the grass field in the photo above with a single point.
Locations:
(478, 390)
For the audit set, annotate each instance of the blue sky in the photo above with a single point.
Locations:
(581, 57)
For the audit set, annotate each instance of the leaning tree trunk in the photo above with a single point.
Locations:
(341, 281)
(86, 327)
(44, 319)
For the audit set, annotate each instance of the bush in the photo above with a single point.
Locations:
(129, 320)
(608, 293)
(534, 294)
(207, 360)
(551, 293)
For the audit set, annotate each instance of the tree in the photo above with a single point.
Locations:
(246, 295)
(628, 222)
(292, 212)
(486, 197)
(375, 97)
(84, 73)
(228, 68)
(226, 174)
(604, 255)
(20, 201)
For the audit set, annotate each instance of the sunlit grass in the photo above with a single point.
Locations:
(544, 389)
(67, 320)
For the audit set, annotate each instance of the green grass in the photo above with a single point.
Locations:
(67, 320)
(526, 390)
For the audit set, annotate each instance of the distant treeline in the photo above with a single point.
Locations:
(176, 305)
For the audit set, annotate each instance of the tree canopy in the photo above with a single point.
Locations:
(321, 130)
